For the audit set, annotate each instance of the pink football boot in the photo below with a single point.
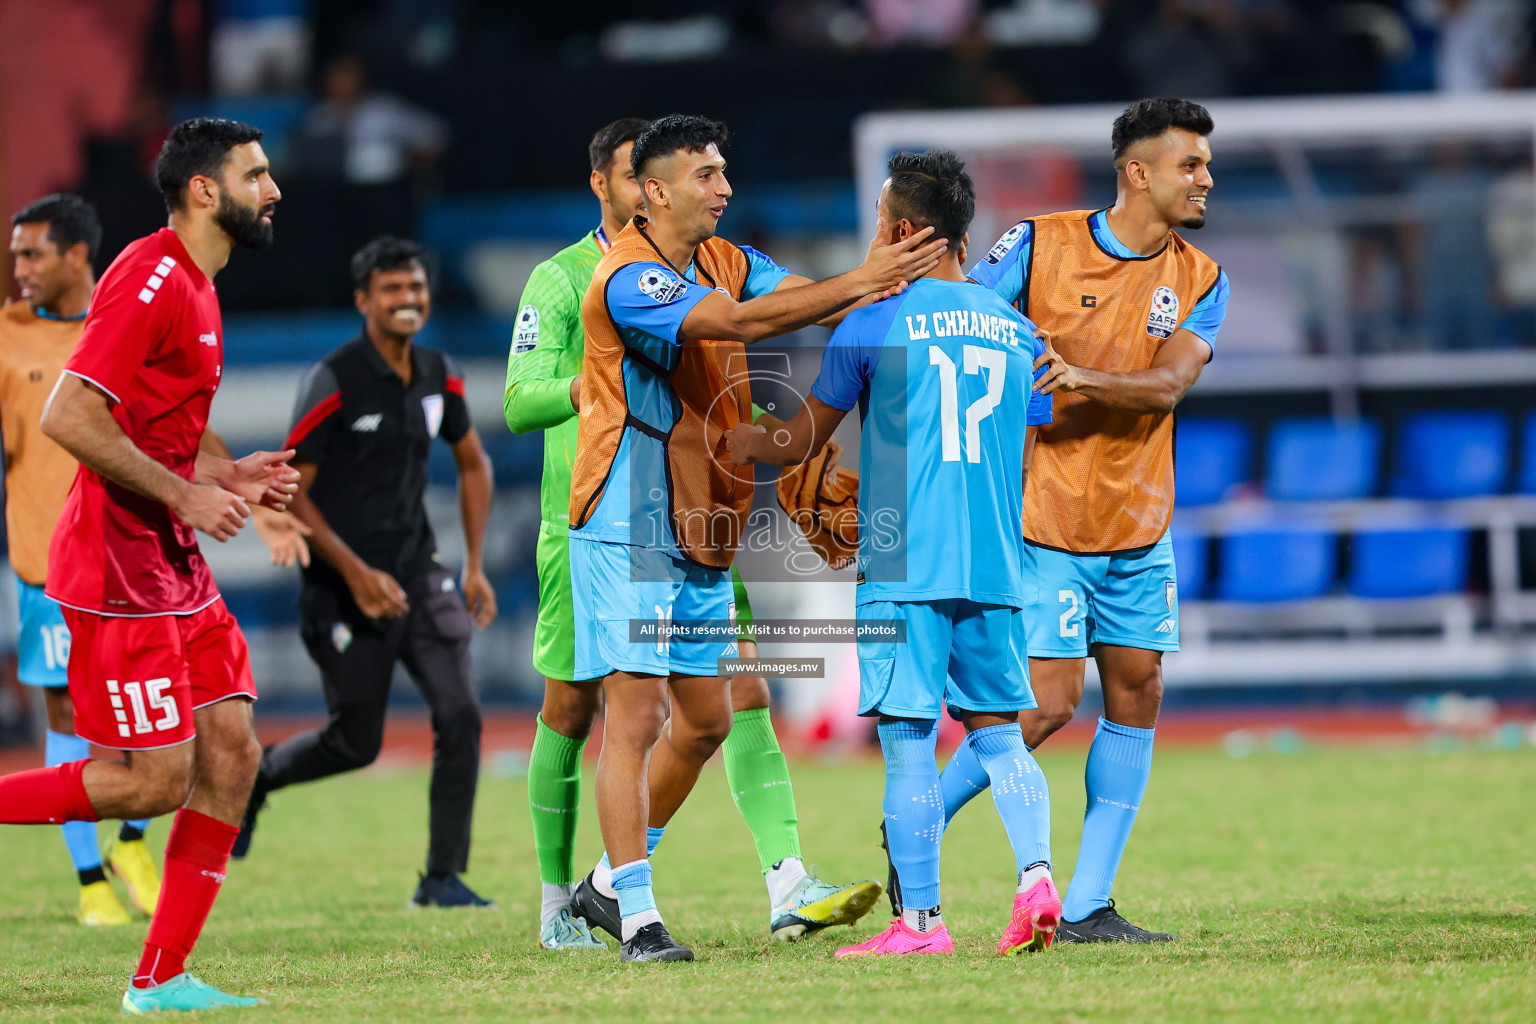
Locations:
(898, 938)
(1035, 916)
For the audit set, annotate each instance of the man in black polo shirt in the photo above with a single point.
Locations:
(365, 420)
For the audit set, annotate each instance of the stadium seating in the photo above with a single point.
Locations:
(1276, 562)
(1190, 556)
(1320, 460)
(1528, 455)
(1414, 561)
(1212, 456)
(1452, 454)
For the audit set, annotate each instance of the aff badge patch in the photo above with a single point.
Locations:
(525, 336)
(661, 285)
(1006, 243)
(1164, 315)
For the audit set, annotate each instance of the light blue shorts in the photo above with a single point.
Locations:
(1129, 600)
(980, 646)
(612, 584)
(42, 644)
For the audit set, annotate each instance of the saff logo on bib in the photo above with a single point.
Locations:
(1164, 315)
(661, 286)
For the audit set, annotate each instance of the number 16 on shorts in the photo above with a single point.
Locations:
(143, 707)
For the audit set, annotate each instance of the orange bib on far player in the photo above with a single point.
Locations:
(1101, 480)
(707, 503)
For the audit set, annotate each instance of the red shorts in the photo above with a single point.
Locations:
(136, 682)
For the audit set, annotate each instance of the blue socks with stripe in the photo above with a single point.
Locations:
(914, 808)
(79, 836)
(1119, 764)
(1018, 789)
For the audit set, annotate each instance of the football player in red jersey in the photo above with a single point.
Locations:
(159, 668)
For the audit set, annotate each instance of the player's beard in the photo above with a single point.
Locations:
(244, 224)
(1193, 223)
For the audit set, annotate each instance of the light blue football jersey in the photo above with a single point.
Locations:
(942, 375)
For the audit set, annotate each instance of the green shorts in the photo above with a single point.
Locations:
(554, 635)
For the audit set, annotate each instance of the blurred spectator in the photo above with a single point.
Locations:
(1455, 259)
(1190, 48)
(935, 23)
(260, 46)
(1044, 23)
(1479, 45)
(1510, 220)
(362, 137)
(972, 78)
(818, 24)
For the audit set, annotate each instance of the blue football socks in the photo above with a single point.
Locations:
(79, 836)
(1119, 764)
(637, 899)
(914, 808)
(1018, 789)
(963, 779)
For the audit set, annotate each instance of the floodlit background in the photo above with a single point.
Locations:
(1356, 528)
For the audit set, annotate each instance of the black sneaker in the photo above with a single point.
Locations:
(1106, 925)
(654, 943)
(447, 891)
(892, 880)
(253, 807)
(597, 910)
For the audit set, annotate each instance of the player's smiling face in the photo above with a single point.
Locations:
(1179, 179)
(397, 302)
(694, 192)
(43, 273)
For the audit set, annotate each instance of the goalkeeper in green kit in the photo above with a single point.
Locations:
(543, 388)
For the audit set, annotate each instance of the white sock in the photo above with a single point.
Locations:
(783, 877)
(922, 920)
(634, 922)
(602, 878)
(556, 898)
(1030, 876)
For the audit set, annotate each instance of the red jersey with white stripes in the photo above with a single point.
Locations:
(154, 343)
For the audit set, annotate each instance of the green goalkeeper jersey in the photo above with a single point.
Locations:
(546, 353)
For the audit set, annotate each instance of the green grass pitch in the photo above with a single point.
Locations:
(1379, 884)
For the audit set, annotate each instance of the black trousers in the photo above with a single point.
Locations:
(357, 657)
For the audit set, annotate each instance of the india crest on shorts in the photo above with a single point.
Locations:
(1164, 316)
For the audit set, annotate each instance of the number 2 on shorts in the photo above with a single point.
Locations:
(1068, 627)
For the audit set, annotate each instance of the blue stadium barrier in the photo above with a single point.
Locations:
(1421, 561)
(1528, 457)
(1192, 561)
(1277, 563)
(1320, 460)
(1210, 457)
(1458, 454)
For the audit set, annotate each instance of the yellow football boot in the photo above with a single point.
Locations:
(131, 862)
(100, 907)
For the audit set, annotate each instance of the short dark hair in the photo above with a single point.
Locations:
(70, 219)
(198, 147)
(610, 137)
(932, 188)
(383, 254)
(1147, 119)
(666, 135)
